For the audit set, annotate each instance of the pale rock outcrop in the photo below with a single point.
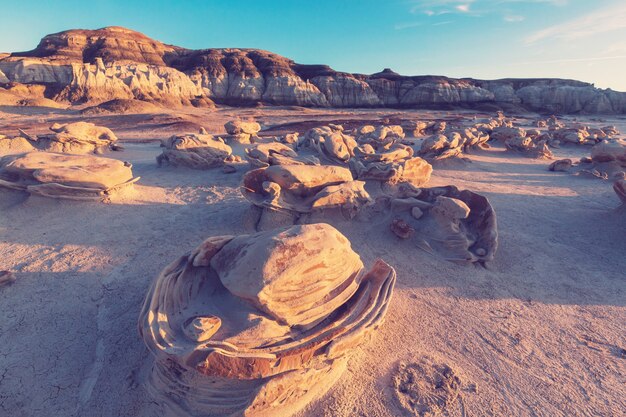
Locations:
(76, 177)
(233, 333)
(346, 91)
(381, 135)
(102, 82)
(609, 151)
(197, 151)
(114, 62)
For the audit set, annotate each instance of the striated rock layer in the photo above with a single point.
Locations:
(114, 62)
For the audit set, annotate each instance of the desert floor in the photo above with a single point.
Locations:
(540, 332)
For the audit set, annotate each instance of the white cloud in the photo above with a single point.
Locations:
(605, 20)
(463, 8)
(514, 18)
(402, 26)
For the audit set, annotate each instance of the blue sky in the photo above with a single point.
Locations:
(580, 39)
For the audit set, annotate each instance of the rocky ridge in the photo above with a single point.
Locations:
(98, 65)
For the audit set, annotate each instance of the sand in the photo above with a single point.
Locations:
(540, 332)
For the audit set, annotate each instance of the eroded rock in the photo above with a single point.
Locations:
(77, 177)
(260, 324)
(194, 150)
(74, 138)
(297, 189)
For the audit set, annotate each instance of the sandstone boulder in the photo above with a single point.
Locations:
(235, 127)
(331, 144)
(297, 189)
(261, 324)
(75, 138)
(276, 153)
(194, 150)
(77, 177)
(458, 224)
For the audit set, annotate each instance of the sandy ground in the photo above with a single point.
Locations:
(541, 332)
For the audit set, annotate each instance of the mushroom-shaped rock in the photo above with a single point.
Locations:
(198, 151)
(260, 324)
(77, 177)
(75, 138)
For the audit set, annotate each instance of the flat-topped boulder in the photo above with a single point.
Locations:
(78, 177)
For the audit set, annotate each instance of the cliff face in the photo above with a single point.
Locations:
(99, 65)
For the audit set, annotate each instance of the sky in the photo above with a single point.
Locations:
(486, 39)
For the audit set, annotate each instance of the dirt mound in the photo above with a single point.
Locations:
(123, 106)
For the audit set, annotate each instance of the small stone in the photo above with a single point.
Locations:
(200, 329)
(481, 252)
(560, 165)
(402, 229)
(452, 208)
(417, 213)
(6, 278)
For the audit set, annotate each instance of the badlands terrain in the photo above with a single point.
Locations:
(538, 331)
(455, 261)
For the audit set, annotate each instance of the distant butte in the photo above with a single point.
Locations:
(93, 66)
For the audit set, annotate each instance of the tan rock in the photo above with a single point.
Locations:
(235, 127)
(65, 176)
(197, 151)
(232, 317)
(75, 138)
(561, 165)
(298, 189)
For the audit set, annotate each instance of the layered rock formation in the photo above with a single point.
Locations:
(262, 324)
(113, 62)
(75, 177)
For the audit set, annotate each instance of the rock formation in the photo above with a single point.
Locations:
(392, 166)
(76, 138)
(76, 177)
(261, 324)
(198, 151)
(284, 192)
(330, 143)
(458, 224)
(607, 161)
(275, 153)
(114, 62)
